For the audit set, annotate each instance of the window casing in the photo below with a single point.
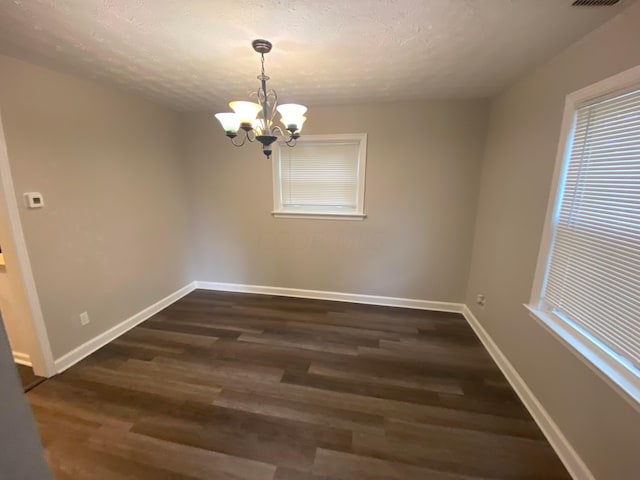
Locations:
(587, 284)
(321, 177)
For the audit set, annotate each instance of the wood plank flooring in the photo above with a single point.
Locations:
(28, 379)
(237, 386)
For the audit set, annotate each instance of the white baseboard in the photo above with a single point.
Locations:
(86, 349)
(335, 296)
(569, 457)
(22, 358)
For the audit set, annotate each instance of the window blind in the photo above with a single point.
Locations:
(593, 278)
(317, 174)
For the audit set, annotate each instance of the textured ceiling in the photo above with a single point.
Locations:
(196, 54)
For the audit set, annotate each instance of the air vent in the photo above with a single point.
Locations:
(594, 3)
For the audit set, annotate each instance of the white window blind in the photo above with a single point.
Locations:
(593, 276)
(320, 174)
(323, 175)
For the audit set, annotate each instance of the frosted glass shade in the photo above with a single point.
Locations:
(246, 111)
(229, 121)
(299, 127)
(292, 114)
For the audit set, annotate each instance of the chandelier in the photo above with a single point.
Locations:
(254, 121)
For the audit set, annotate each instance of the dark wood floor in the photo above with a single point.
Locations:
(235, 386)
(28, 379)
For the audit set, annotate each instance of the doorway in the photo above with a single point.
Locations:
(19, 304)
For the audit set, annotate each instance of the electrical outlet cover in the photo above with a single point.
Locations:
(34, 199)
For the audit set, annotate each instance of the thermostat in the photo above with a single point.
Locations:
(34, 199)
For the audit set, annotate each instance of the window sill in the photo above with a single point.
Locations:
(622, 378)
(320, 215)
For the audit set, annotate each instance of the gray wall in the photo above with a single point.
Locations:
(515, 186)
(112, 237)
(421, 185)
(21, 454)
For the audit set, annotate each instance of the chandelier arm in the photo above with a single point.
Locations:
(278, 131)
(265, 100)
(291, 142)
(244, 139)
(251, 135)
(256, 94)
(272, 100)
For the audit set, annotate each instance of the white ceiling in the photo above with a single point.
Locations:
(196, 54)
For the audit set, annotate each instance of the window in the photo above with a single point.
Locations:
(321, 177)
(587, 287)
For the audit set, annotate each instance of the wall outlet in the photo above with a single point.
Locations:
(480, 300)
(84, 318)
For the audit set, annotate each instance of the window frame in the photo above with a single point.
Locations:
(623, 377)
(320, 213)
